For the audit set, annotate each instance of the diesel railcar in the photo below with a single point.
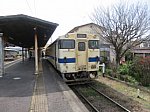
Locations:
(10, 54)
(75, 56)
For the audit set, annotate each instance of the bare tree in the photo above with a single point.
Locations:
(123, 26)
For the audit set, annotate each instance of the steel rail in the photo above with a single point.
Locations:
(92, 106)
(11, 63)
(78, 83)
(110, 99)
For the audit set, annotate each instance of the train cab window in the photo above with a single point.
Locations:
(81, 46)
(66, 44)
(93, 44)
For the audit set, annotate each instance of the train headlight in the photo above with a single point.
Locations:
(66, 67)
(94, 36)
(92, 76)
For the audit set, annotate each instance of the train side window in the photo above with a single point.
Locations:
(81, 46)
(93, 44)
(66, 44)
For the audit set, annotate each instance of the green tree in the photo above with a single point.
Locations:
(142, 70)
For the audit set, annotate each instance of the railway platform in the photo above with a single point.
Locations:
(22, 91)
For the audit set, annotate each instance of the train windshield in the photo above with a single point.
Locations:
(93, 44)
(66, 44)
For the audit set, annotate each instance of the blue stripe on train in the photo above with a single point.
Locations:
(93, 59)
(67, 60)
(73, 60)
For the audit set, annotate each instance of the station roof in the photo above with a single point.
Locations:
(20, 30)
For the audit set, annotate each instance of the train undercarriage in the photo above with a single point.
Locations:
(79, 76)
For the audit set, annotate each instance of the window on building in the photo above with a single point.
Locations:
(145, 44)
(105, 53)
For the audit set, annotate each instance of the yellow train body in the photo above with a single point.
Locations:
(75, 56)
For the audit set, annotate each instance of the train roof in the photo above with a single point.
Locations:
(10, 50)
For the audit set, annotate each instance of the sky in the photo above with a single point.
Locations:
(67, 13)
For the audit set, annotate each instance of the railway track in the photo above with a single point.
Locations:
(96, 100)
(10, 63)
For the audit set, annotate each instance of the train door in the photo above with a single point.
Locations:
(81, 55)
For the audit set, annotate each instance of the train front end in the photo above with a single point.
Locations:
(80, 61)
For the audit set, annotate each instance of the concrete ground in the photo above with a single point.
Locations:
(16, 88)
(22, 91)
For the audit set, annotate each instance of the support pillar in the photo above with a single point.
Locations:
(36, 53)
(22, 54)
(1, 55)
(25, 53)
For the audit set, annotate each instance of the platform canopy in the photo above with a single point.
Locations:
(20, 30)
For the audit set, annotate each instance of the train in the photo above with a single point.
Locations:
(10, 54)
(75, 56)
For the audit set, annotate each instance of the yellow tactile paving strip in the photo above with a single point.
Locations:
(39, 101)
